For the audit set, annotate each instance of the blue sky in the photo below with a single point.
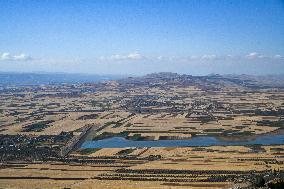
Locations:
(142, 36)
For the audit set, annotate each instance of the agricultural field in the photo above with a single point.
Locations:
(43, 128)
(153, 106)
(188, 167)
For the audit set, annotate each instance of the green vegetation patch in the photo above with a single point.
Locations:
(106, 125)
(86, 117)
(2, 130)
(279, 123)
(37, 127)
(213, 130)
(237, 133)
(277, 149)
(125, 151)
(124, 134)
(88, 151)
(105, 135)
(256, 148)
(240, 127)
(128, 125)
(135, 137)
(278, 112)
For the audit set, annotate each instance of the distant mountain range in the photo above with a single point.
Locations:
(213, 80)
(7, 78)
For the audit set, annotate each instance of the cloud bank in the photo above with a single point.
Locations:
(139, 63)
(190, 58)
(16, 57)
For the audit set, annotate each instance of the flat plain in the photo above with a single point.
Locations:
(43, 126)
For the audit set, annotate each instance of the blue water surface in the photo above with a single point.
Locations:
(120, 142)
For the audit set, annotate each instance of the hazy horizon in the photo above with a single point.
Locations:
(130, 75)
(131, 37)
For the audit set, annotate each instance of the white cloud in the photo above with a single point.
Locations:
(102, 58)
(278, 56)
(22, 57)
(117, 57)
(19, 57)
(130, 56)
(209, 57)
(255, 55)
(5, 56)
(135, 56)
(191, 58)
(166, 58)
(160, 57)
(230, 57)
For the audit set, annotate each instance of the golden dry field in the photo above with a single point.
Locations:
(188, 167)
(43, 127)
